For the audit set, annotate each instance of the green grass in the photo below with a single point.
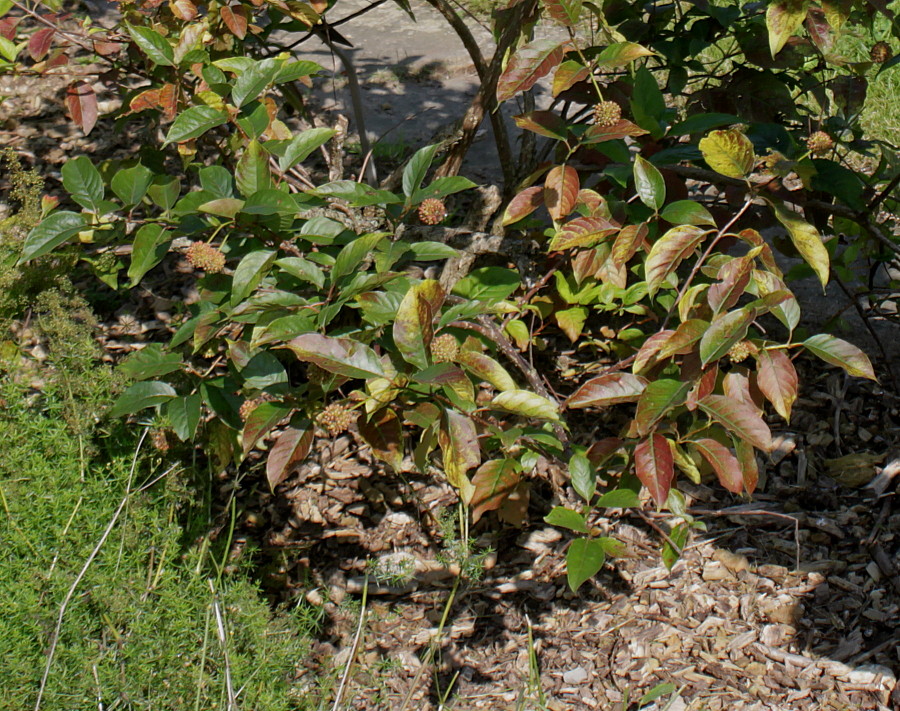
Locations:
(139, 632)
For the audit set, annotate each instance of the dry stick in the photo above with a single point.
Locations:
(646, 519)
(878, 199)
(354, 649)
(54, 639)
(739, 511)
(69, 36)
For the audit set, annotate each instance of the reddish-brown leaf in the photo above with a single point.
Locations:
(647, 352)
(493, 484)
(528, 64)
(81, 101)
(778, 381)
(685, 336)
(582, 232)
(739, 418)
(523, 204)
(8, 27)
(40, 42)
(669, 251)
(606, 390)
(622, 129)
(737, 387)
(160, 99)
(107, 49)
(543, 123)
(734, 276)
(383, 432)
(600, 450)
(703, 387)
(235, 19)
(561, 191)
(749, 467)
(655, 466)
(629, 240)
(819, 29)
(568, 75)
(289, 450)
(723, 462)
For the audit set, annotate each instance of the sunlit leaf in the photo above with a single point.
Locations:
(486, 368)
(723, 462)
(523, 204)
(669, 251)
(528, 64)
(458, 439)
(807, 241)
(728, 152)
(581, 232)
(342, 356)
(649, 183)
(584, 559)
(526, 404)
(842, 354)
(777, 380)
(724, 332)
(655, 466)
(561, 191)
(413, 327)
(783, 19)
(606, 390)
(738, 418)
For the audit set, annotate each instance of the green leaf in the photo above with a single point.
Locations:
(701, 123)
(130, 185)
(566, 518)
(526, 404)
(264, 371)
(783, 19)
(584, 559)
(679, 536)
(583, 476)
(654, 465)
(493, 484)
(252, 81)
(621, 54)
(724, 332)
(83, 182)
(249, 272)
(252, 173)
(413, 326)
(687, 212)
(649, 183)
(357, 194)
(842, 354)
(527, 65)
(289, 450)
(140, 396)
(669, 251)
(302, 145)
(50, 233)
(807, 241)
(194, 122)
(153, 44)
(150, 362)
(303, 269)
(415, 170)
(151, 244)
(566, 12)
(341, 356)
(619, 499)
(353, 253)
(442, 187)
(659, 398)
(606, 390)
(488, 284)
(432, 251)
(729, 153)
(184, 415)
(226, 207)
(739, 418)
(656, 692)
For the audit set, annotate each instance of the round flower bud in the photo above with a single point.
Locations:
(819, 143)
(444, 348)
(336, 418)
(607, 113)
(206, 257)
(880, 52)
(742, 350)
(432, 211)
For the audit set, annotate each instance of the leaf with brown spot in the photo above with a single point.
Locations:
(81, 101)
(783, 19)
(383, 432)
(413, 328)
(458, 440)
(291, 448)
(654, 465)
(492, 484)
(728, 152)
(561, 191)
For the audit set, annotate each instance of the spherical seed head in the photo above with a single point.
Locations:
(336, 418)
(742, 350)
(160, 440)
(444, 348)
(249, 406)
(819, 142)
(607, 113)
(432, 211)
(880, 52)
(206, 257)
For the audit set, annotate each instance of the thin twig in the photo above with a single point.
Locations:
(69, 36)
(354, 649)
(223, 640)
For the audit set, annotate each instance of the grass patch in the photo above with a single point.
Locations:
(140, 629)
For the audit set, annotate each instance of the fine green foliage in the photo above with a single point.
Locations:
(139, 631)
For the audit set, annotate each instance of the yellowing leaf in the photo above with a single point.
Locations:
(526, 404)
(807, 241)
(784, 18)
(728, 152)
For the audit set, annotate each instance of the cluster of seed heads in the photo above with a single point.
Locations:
(607, 113)
(880, 52)
(819, 143)
(336, 418)
(444, 348)
(432, 211)
(742, 350)
(206, 257)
